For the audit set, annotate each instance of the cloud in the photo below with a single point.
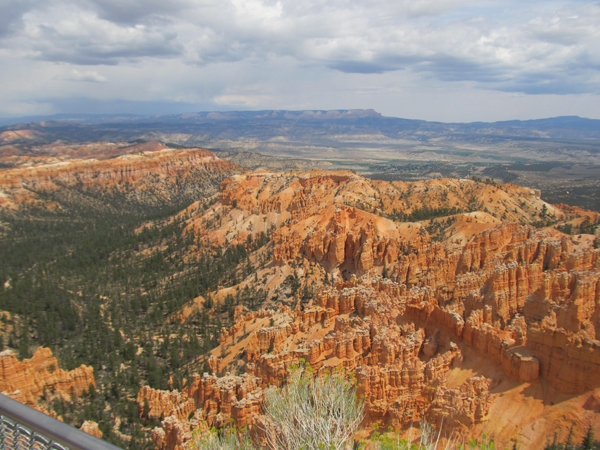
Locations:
(555, 53)
(216, 48)
(11, 18)
(87, 76)
(66, 33)
(419, 8)
(132, 12)
(361, 67)
(244, 101)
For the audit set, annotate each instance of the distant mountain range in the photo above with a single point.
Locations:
(340, 135)
(555, 127)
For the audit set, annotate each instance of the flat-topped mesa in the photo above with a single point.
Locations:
(27, 380)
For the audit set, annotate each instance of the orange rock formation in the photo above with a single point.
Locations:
(209, 399)
(148, 169)
(27, 380)
(457, 327)
(91, 427)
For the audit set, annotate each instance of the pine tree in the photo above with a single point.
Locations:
(554, 445)
(569, 445)
(24, 343)
(588, 440)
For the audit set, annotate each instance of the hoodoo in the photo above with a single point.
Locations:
(441, 300)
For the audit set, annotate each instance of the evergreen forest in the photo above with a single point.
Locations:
(98, 278)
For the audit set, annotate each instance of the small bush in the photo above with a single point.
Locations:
(312, 413)
(309, 413)
(228, 439)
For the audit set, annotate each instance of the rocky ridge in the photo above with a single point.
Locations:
(308, 210)
(146, 173)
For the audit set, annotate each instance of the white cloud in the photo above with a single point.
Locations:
(66, 33)
(88, 76)
(241, 101)
(535, 47)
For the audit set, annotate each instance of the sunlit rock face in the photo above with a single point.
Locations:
(453, 318)
(27, 380)
(146, 174)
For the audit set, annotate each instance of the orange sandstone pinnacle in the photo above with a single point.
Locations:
(493, 327)
(27, 380)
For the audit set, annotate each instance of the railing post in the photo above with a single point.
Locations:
(41, 425)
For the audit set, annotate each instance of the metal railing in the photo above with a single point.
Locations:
(22, 427)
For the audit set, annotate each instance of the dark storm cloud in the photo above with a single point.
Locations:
(450, 68)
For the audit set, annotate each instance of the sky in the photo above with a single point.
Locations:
(442, 60)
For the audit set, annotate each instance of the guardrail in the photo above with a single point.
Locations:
(22, 427)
